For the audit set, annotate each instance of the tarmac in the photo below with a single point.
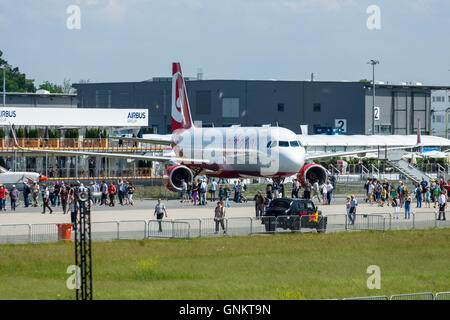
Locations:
(144, 210)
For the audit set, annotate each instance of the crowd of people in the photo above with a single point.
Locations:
(398, 196)
(62, 194)
(197, 192)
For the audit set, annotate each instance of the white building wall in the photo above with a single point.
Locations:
(440, 101)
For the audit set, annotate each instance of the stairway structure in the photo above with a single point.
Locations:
(409, 171)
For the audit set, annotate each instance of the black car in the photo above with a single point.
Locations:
(293, 214)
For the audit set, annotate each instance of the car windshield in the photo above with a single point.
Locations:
(280, 203)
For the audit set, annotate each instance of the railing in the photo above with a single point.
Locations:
(242, 226)
(409, 296)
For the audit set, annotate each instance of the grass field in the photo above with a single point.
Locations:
(289, 266)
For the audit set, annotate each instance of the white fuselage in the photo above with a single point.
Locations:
(11, 177)
(243, 151)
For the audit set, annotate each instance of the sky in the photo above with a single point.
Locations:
(135, 40)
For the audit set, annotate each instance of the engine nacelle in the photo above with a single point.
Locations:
(173, 176)
(312, 172)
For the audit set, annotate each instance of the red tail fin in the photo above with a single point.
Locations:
(181, 112)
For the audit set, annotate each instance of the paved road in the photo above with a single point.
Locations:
(144, 209)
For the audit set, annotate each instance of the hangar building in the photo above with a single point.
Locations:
(319, 104)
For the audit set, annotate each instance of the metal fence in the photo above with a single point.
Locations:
(413, 296)
(233, 226)
(409, 296)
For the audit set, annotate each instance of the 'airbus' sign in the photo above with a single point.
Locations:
(74, 117)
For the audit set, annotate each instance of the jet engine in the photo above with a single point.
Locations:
(312, 172)
(173, 176)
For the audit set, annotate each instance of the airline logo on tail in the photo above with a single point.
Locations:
(181, 114)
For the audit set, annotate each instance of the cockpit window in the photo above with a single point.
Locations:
(268, 144)
(284, 143)
(294, 144)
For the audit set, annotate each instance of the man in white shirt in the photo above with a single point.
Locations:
(329, 192)
(442, 204)
(370, 193)
(324, 194)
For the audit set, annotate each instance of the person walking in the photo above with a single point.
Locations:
(213, 190)
(227, 192)
(329, 192)
(203, 189)
(104, 191)
(183, 191)
(14, 195)
(46, 199)
(130, 192)
(353, 205)
(112, 191)
(442, 205)
(194, 192)
(63, 195)
(120, 191)
(219, 216)
(308, 189)
(316, 191)
(160, 211)
(3, 195)
(36, 190)
(419, 196)
(396, 205)
(26, 193)
(259, 204)
(324, 189)
(407, 205)
(347, 207)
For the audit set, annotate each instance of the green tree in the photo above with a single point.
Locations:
(51, 87)
(15, 81)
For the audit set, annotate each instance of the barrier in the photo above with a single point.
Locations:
(195, 226)
(107, 230)
(337, 222)
(15, 233)
(369, 298)
(159, 229)
(182, 228)
(44, 232)
(132, 229)
(413, 296)
(442, 296)
(168, 229)
(239, 226)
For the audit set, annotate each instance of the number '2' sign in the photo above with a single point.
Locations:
(376, 113)
(341, 123)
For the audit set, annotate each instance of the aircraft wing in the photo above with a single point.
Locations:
(161, 139)
(116, 155)
(361, 152)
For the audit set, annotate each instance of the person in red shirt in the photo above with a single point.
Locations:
(3, 195)
(111, 191)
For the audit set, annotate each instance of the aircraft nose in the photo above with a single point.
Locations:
(291, 161)
(42, 178)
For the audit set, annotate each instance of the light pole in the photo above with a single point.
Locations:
(4, 67)
(373, 63)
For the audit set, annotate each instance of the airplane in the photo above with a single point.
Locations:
(228, 152)
(12, 177)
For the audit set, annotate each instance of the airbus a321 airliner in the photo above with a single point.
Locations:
(231, 152)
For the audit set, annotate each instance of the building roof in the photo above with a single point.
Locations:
(370, 140)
